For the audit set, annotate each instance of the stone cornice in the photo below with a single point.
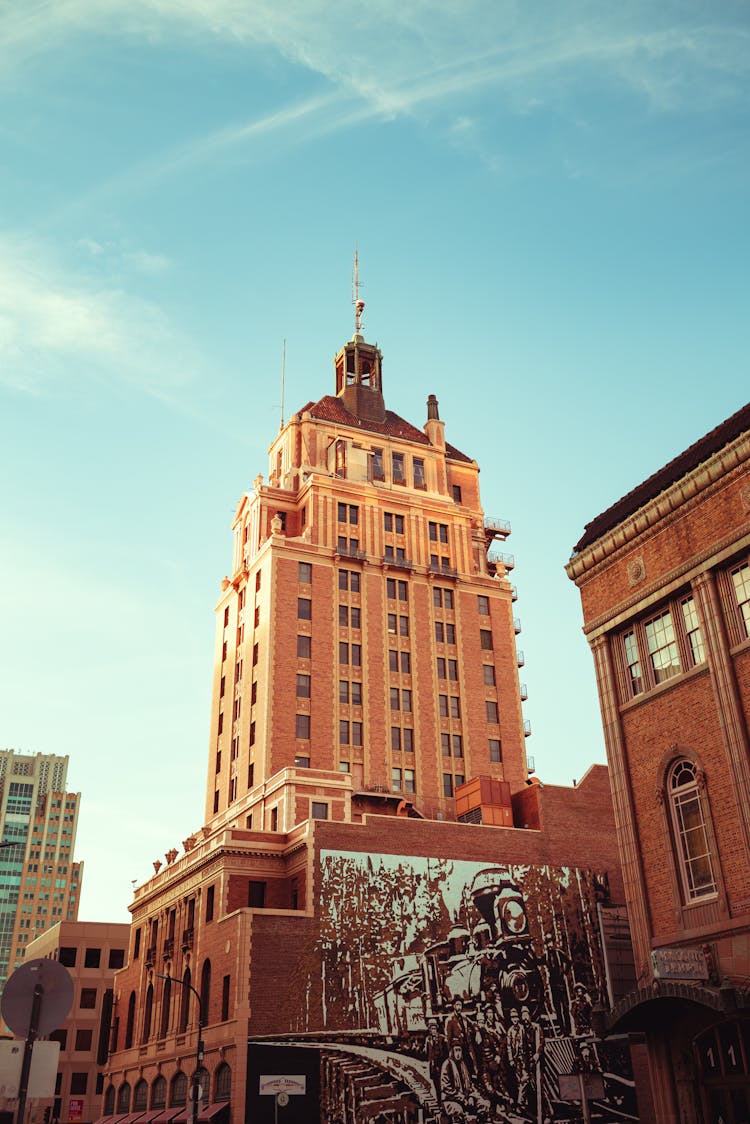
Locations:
(712, 474)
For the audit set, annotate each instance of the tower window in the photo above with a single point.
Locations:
(303, 686)
(456, 492)
(304, 647)
(483, 604)
(319, 810)
(495, 749)
(492, 712)
(741, 588)
(397, 466)
(304, 573)
(304, 608)
(376, 465)
(302, 726)
(418, 470)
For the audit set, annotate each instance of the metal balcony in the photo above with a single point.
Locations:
(498, 559)
(517, 625)
(495, 528)
(514, 593)
(530, 767)
(526, 728)
(520, 658)
(523, 692)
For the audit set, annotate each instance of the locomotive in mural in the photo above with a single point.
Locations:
(494, 959)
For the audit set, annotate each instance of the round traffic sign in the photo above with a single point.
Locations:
(56, 997)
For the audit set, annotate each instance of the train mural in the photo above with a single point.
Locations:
(466, 991)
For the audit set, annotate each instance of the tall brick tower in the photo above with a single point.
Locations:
(364, 631)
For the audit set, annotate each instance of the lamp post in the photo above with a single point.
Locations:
(195, 1091)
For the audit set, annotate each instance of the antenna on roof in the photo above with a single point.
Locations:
(283, 370)
(359, 304)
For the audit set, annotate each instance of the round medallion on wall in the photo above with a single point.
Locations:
(636, 571)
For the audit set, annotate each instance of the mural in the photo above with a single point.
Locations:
(458, 991)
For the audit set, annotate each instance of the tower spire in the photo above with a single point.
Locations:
(359, 304)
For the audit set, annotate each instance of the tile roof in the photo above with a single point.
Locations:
(332, 409)
(699, 452)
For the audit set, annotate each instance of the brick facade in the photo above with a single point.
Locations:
(661, 581)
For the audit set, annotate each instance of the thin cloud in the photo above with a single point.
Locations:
(53, 321)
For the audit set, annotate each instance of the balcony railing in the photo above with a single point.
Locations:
(496, 526)
(526, 728)
(151, 956)
(168, 949)
(530, 767)
(443, 571)
(517, 625)
(520, 658)
(187, 939)
(523, 692)
(499, 559)
(351, 552)
(398, 563)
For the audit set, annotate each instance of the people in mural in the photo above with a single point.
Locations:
(471, 987)
(461, 1098)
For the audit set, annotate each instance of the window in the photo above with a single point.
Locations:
(407, 738)
(83, 1040)
(485, 639)
(455, 704)
(409, 785)
(447, 784)
(396, 780)
(343, 691)
(356, 693)
(349, 579)
(304, 573)
(343, 732)
(256, 894)
(205, 990)
(406, 701)
(656, 649)
(178, 1090)
(354, 617)
(225, 983)
(356, 733)
(304, 645)
(356, 655)
(396, 590)
(92, 958)
(439, 632)
(67, 956)
(405, 663)
(304, 608)
(319, 810)
(116, 958)
(88, 998)
(344, 767)
(692, 630)
(452, 670)
(492, 711)
(445, 745)
(662, 647)
(419, 478)
(348, 513)
(393, 522)
(376, 465)
(441, 598)
(301, 761)
(441, 667)
(488, 673)
(274, 819)
(78, 1084)
(496, 753)
(458, 745)
(483, 604)
(438, 532)
(395, 699)
(397, 466)
(450, 633)
(302, 726)
(394, 554)
(210, 895)
(396, 739)
(741, 588)
(690, 830)
(393, 660)
(456, 492)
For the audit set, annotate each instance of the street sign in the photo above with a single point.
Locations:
(294, 1085)
(55, 1001)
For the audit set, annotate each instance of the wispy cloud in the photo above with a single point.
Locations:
(54, 319)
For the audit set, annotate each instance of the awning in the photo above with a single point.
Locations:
(149, 1117)
(168, 1114)
(205, 1114)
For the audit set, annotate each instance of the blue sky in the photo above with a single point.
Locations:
(550, 204)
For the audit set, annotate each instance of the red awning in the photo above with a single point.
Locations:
(205, 1114)
(168, 1114)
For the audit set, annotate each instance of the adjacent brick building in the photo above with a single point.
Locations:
(664, 577)
(92, 951)
(366, 675)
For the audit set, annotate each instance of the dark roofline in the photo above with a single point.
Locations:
(683, 464)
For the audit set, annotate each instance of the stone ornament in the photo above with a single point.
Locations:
(636, 571)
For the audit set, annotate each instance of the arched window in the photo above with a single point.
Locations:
(130, 1024)
(147, 1014)
(159, 1092)
(140, 1096)
(109, 1101)
(692, 847)
(206, 990)
(123, 1098)
(178, 1091)
(166, 1000)
(223, 1083)
(185, 1001)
